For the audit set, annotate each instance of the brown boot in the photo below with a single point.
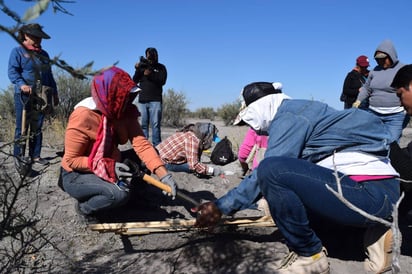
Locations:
(378, 243)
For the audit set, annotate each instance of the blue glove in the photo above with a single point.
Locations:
(168, 180)
(123, 185)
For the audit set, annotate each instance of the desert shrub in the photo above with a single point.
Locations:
(7, 128)
(22, 238)
(205, 113)
(53, 132)
(71, 91)
(228, 112)
(174, 108)
(24, 242)
(7, 115)
(7, 102)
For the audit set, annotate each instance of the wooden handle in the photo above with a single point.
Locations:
(157, 183)
(168, 189)
(23, 121)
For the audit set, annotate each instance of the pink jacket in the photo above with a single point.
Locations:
(249, 141)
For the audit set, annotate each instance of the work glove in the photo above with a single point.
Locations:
(217, 171)
(356, 104)
(122, 170)
(168, 180)
(208, 215)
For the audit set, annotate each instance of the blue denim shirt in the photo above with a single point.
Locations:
(312, 131)
(22, 69)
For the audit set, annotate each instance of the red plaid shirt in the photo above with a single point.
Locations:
(180, 148)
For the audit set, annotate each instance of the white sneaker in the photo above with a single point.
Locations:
(295, 264)
(378, 243)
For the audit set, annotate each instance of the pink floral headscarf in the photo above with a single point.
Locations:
(111, 93)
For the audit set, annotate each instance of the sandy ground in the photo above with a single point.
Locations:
(74, 248)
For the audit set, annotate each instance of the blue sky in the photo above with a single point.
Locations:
(213, 48)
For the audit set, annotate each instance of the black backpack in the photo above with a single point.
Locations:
(223, 154)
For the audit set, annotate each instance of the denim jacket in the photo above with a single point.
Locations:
(22, 69)
(312, 131)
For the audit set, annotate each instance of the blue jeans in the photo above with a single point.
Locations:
(92, 192)
(178, 168)
(151, 115)
(294, 186)
(395, 123)
(34, 123)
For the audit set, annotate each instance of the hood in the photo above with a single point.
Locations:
(387, 47)
(261, 112)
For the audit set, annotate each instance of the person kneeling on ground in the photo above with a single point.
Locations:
(307, 141)
(92, 171)
(182, 151)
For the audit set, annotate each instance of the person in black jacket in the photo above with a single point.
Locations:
(354, 80)
(151, 76)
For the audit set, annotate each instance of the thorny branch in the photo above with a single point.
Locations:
(397, 235)
(34, 12)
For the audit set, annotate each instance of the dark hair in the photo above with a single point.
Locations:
(403, 77)
(20, 35)
(204, 132)
(153, 53)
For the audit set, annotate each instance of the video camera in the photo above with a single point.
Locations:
(144, 63)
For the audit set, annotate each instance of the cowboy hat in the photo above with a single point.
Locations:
(35, 30)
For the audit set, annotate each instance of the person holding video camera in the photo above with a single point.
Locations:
(151, 77)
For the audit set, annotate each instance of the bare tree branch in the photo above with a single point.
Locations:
(394, 225)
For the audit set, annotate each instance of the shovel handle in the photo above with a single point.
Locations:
(23, 121)
(156, 183)
(164, 187)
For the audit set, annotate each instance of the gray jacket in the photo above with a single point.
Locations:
(377, 86)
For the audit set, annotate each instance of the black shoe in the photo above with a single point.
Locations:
(40, 161)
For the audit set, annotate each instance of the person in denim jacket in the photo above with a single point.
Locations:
(28, 65)
(307, 141)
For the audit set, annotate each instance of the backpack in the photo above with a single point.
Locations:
(222, 153)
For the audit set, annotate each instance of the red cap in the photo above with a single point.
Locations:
(362, 61)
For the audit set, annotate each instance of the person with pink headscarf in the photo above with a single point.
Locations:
(252, 150)
(92, 168)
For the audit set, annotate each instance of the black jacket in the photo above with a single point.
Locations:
(353, 81)
(151, 85)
